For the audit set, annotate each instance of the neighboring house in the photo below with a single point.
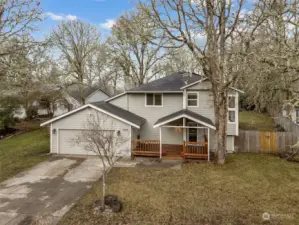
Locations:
(174, 114)
(71, 100)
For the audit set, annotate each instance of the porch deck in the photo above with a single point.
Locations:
(152, 148)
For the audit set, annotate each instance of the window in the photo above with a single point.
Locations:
(231, 102)
(153, 99)
(297, 116)
(231, 115)
(192, 99)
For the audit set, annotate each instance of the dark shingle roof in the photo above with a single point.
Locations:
(122, 113)
(185, 112)
(170, 83)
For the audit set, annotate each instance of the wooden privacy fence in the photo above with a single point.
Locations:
(265, 142)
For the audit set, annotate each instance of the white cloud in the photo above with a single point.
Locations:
(71, 17)
(108, 24)
(56, 17)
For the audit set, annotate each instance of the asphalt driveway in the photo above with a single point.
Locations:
(47, 191)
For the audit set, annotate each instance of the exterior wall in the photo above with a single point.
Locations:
(121, 101)
(171, 103)
(206, 107)
(97, 96)
(230, 143)
(78, 121)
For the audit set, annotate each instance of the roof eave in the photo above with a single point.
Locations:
(94, 107)
(144, 92)
(186, 116)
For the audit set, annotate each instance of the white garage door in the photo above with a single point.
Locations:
(69, 145)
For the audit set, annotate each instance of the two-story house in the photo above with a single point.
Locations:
(171, 115)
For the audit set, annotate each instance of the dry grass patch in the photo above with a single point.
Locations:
(236, 193)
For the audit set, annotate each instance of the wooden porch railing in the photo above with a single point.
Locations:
(145, 148)
(196, 150)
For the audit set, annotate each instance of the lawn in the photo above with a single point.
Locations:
(236, 193)
(250, 120)
(22, 152)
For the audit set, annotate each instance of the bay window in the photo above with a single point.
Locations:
(231, 114)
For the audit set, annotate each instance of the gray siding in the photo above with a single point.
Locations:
(205, 85)
(121, 102)
(171, 103)
(206, 107)
(79, 121)
(97, 96)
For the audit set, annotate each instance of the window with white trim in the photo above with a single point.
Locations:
(231, 115)
(153, 100)
(297, 115)
(192, 99)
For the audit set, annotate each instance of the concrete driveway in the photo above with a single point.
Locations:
(47, 191)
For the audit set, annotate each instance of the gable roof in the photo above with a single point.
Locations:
(122, 113)
(187, 114)
(198, 81)
(171, 83)
(74, 92)
(109, 109)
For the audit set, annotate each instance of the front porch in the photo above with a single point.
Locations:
(152, 148)
(182, 135)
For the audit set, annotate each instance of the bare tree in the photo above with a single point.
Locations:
(77, 42)
(272, 68)
(221, 23)
(99, 138)
(17, 20)
(135, 49)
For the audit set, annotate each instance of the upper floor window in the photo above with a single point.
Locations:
(192, 99)
(153, 100)
(232, 109)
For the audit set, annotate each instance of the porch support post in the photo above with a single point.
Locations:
(208, 144)
(130, 140)
(160, 142)
(184, 129)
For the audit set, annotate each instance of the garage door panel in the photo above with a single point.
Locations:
(69, 145)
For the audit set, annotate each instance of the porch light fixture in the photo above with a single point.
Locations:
(178, 129)
(54, 131)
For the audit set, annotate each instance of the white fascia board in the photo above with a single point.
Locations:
(91, 106)
(186, 116)
(238, 90)
(64, 115)
(196, 82)
(146, 92)
(116, 96)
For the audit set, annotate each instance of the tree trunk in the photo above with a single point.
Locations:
(220, 105)
(104, 189)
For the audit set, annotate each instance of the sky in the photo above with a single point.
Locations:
(101, 13)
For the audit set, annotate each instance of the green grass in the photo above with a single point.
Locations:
(22, 152)
(249, 120)
(236, 193)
